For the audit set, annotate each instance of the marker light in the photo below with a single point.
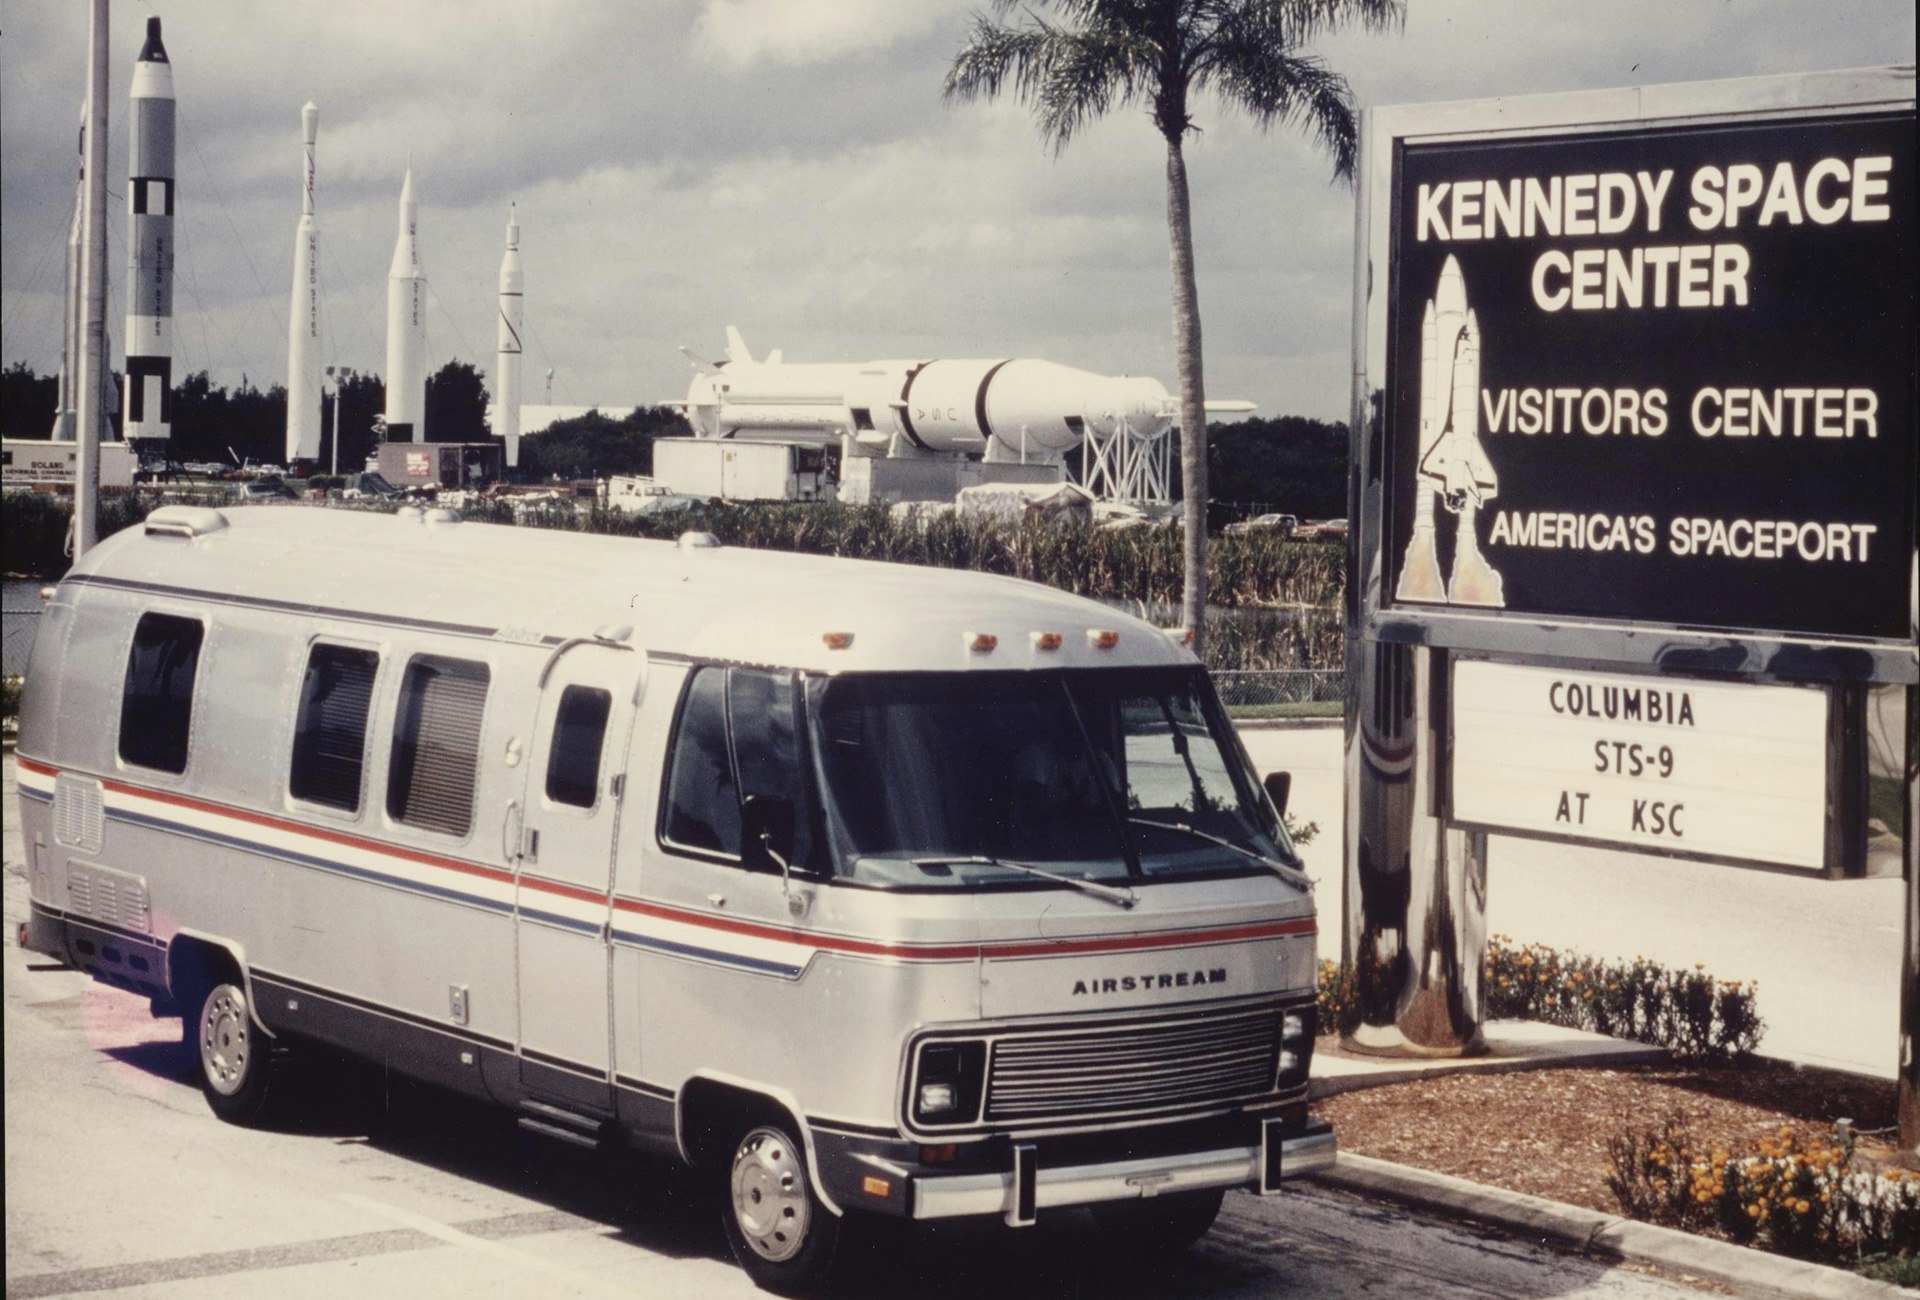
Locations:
(1046, 640)
(1102, 638)
(1181, 635)
(837, 640)
(981, 642)
(875, 1187)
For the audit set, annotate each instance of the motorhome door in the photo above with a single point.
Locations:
(568, 817)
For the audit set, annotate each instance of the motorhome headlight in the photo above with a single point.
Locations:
(947, 1081)
(1297, 1028)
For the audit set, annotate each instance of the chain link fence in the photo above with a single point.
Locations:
(1257, 688)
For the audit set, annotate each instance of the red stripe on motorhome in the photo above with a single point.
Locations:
(825, 943)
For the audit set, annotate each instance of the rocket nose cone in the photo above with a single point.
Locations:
(310, 121)
(153, 51)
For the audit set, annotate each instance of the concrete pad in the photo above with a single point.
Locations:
(1512, 1045)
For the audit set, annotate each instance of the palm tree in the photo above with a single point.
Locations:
(1157, 54)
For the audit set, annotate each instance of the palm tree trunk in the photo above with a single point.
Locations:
(1193, 397)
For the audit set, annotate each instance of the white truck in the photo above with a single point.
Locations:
(866, 889)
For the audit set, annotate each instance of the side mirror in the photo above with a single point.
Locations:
(766, 833)
(1279, 786)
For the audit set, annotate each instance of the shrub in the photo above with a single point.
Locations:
(1688, 1012)
(1339, 1001)
(10, 696)
(1785, 1193)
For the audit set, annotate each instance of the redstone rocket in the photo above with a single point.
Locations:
(406, 329)
(506, 378)
(64, 414)
(303, 317)
(148, 411)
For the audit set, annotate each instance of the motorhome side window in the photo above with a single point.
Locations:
(579, 732)
(436, 744)
(156, 705)
(736, 738)
(330, 735)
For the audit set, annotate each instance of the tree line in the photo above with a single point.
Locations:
(1288, 463)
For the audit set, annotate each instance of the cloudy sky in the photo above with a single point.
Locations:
(787, 166)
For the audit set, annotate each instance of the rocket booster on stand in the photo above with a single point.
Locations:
(148, 411)
(406, 330)
(63, 411)
(303, 317)
(506, 379)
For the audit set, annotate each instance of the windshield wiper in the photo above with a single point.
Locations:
(1118, 897)
(1285, 870)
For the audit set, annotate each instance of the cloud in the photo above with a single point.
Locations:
(746, 32)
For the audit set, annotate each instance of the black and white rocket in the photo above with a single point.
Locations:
(303, 316)
(406, 415)
(506, 379)
(148, 410)
(63, 413)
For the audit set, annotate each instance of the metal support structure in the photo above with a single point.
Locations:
(1415, 932)
(93, 281)
(1909, 1058)
(1123, 466)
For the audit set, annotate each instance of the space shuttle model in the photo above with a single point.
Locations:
(148, 411)
(303, 317)
(1007, 409)
(406, 416)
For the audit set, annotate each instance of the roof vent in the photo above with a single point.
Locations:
(413, 514)
(185, 521)
(698, 541)
(441, 515)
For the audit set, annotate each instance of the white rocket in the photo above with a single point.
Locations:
(303, 314)
(506, 377)
(148, 412)
(1007, 409)
(406, 414)
(63, 411)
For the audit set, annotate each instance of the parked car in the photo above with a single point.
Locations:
(264, 489)
(1285, 525)
(1325, 530)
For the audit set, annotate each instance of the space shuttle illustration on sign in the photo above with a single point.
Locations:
(1453, 469)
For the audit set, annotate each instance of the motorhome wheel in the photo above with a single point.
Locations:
(780, 1232)
(235, 1059)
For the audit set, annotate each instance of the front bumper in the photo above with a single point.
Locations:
(1285, 1152)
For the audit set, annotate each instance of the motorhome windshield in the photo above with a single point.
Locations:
(1098, 775)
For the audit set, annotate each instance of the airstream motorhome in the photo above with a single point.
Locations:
(870, 889)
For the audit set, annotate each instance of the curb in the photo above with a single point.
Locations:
(1324, 1086)
(1749, 1272)
(1283, 724)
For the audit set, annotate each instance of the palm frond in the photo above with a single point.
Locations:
(1277, 85)
(1068, 77)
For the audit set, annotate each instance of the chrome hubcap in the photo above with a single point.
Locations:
(226, 1040)
(770, 1195)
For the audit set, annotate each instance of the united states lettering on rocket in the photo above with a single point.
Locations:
(303, 316)
(406, 329)
(506, 379)
(148, 411)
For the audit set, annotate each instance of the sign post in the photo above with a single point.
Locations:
(1634, 474)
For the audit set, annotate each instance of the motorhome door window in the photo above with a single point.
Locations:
(436, 744)
(330, 735)
(579, 733)
(156, 706)
(703, 798)
(766, 749)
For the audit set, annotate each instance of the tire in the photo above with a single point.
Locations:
(233, 1060)
(1158, 1226)
(780, 1232)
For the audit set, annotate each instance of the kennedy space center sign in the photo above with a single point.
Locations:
(1662, 375)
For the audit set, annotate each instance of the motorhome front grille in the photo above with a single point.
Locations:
(1133, 1067)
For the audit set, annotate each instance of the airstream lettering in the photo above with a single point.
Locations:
(802, 870)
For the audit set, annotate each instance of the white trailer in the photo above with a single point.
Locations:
(865, 889)
(743, 471)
